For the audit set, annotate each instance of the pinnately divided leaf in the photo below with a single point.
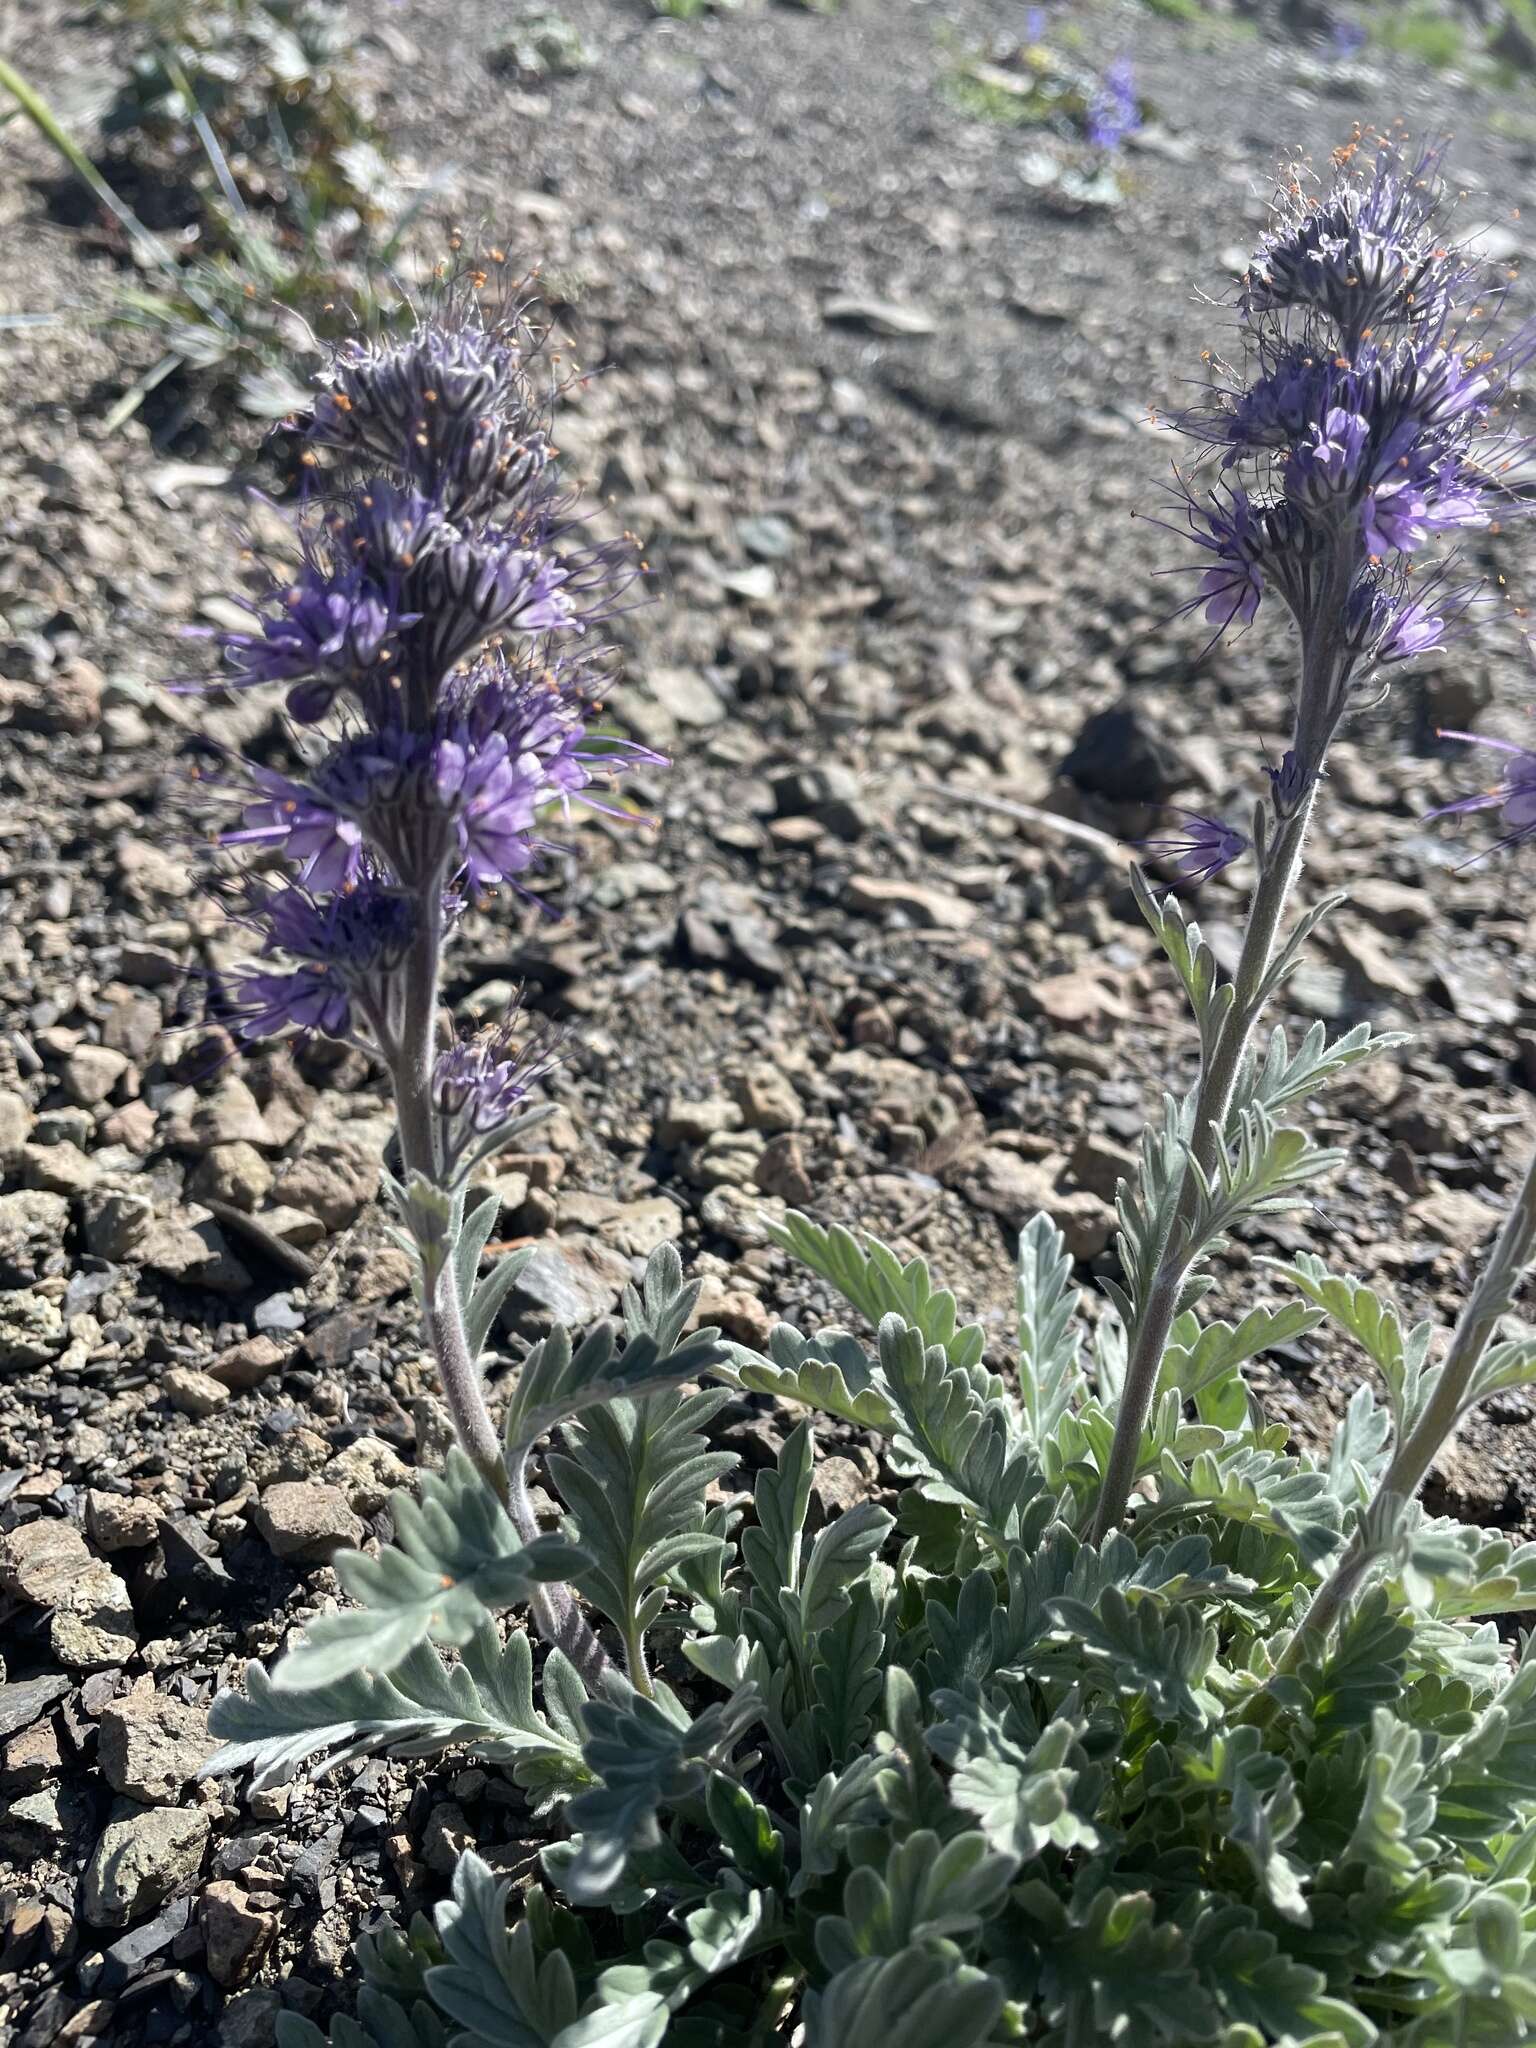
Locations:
(484, 1702)
(643, 1753)
(829, 1371)
(1050, 1347)
(633, 1477)
(455, 1557)
(877, 1284)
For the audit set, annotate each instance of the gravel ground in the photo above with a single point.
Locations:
(881, 415)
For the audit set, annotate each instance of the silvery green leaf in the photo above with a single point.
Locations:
(846, 1661)
(1016, 1783)
(1285, 1078)
(1209, 992)
(1360, 1669)
(1256, 1808)
(1398, 1354)
(1288, 954)
(455, 1556)
(952, 1427)
(829, 1371)
(1267, 1993)
(1146, 1207)
(1198, 1358)
(486, 1296)
(842, 1801)
(1397, 1810)
(1050, 1363)
(1486, 1779)
(479, 1208)
(912, 2000)
(556, 1382)
(633, 1477)
(1244, 1482)
(1162, 1651)
(644, 1754)
(1502, 1368)
(505, 1994)
(781, 1499)
(1262, 1169)
(746, 1832)
(927, 1889)
(660, 1307)
(877, 1284)
(840, 1555)
(1358, 1454)
(484, 1702)
(1465, 1572)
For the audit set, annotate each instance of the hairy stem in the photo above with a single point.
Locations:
(555, 1612)
(1214, 1092)
(1474, 1332)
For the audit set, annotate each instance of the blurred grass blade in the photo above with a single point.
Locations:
(47, 123)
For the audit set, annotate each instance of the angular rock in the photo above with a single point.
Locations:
(140, 1859)
(24, 1699)
(191, 1392)
(367, 1472)
(91, 1072)
(61, 1169)
(781, 1171)
(152, 1746)
(306, 1521)
(1456, 1217)
(115, 1223)
(120, 1521)
(1121, 754)
(32, 1330)
(15, 1127)
(572, 1281)
(235, 1173)
(194, 1252)
(685, 1122)
(332, 1181)
(633, 1227)
(48, 1564)
(768, 1099)
(236, 1934)
(248, 1364)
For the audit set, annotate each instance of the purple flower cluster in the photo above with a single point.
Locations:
(439, 630)
(479, 1087)
(1113, 112)
(1365, 426)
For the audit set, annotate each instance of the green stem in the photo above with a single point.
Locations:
(779, 1996)
(555, 1612)
(1214, 1092)
(1488, 1302)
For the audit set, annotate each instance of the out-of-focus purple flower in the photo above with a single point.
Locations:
(1035, 25)
(1113, 112)
(326, 847)
(1348, 40)
(1514, 794)
(1199, 848)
